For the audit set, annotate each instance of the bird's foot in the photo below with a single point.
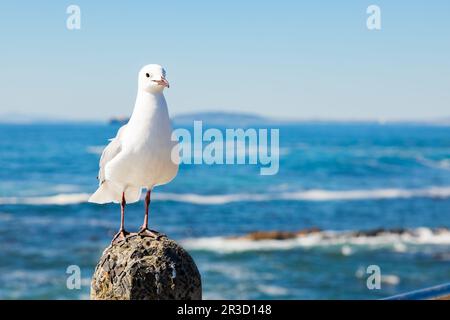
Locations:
(120, 236)
(145, 232)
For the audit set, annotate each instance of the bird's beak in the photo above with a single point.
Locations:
(163, 82)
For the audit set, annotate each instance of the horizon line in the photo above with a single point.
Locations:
(46, 119)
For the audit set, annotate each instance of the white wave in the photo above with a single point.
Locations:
(345, 241)
(346, 250)
(6, 216)
(234, 272)
(30, 277)
(210, 199)
(307, 195)
(390, 279)
(438, 164)
(400, 247)
(59, 199)
(272, 290)
(95, 149)
(444, 163)
(64, 188)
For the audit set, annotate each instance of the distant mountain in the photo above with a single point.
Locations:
(443, 121)
(221, 118)
(30, 118)
(118, 120)
(20, 118)
(210, 118)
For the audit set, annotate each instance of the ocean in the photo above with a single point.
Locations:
(346, 179)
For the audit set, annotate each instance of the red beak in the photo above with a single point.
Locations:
(163, 82)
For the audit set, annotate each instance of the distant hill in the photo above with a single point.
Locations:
(210, 118)
(20, 118)
(221, 118)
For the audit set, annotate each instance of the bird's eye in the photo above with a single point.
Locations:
(147, 75)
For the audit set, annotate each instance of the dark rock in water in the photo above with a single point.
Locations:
(144, 268)
(441, 230)
(277, 235)
(284, 235)
(379, 231)
(271, 235)
(307, 231)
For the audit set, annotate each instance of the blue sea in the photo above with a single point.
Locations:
(340, 178)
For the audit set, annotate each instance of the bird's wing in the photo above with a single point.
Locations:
(112, 149)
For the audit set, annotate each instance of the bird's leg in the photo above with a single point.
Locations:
(144, 231)
(122, 234)
(147, 205)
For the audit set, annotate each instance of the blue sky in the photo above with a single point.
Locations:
(288, 59)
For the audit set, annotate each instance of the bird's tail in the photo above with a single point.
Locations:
(109, 191)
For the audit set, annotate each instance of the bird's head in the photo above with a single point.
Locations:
(152, 78)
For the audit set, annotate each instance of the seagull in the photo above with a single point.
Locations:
(142, 155)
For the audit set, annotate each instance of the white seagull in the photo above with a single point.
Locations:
(140, 154)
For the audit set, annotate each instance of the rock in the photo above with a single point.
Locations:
(380, 231)
(145, 268)
(276, 235)
(308, 231)
(271, 235)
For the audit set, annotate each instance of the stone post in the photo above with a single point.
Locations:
(145, 268)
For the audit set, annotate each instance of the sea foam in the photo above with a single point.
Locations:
(59, 199)
(309, 195)
(221, 199)
(339, 239)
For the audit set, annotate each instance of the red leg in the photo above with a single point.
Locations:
(144, 231)
(147, 205)
(122, 234)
